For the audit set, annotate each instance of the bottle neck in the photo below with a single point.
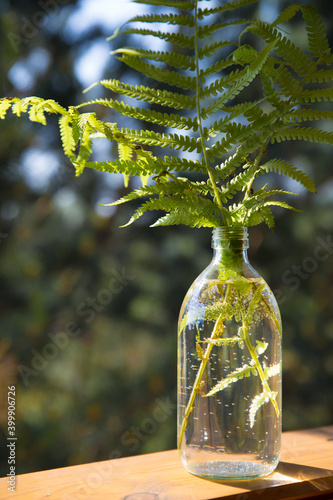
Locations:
(230, 246)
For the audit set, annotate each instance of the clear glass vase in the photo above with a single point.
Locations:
(229, 367)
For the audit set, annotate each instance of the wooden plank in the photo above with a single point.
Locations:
(305, 471)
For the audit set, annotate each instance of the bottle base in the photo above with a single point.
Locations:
(231, 470)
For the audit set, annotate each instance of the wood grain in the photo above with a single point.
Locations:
(305, 471)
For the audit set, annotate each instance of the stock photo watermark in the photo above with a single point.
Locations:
(87, 310)
(29, 27)
(11, 439)
(131, 439)
(297, 273)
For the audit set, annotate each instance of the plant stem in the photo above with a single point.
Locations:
(259, 368)
(196, 386)
(224, 212)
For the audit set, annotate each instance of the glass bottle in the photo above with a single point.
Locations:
(229, 367)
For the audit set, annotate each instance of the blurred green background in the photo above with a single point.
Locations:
(88, 310)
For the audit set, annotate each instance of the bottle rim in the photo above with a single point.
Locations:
(224, 235)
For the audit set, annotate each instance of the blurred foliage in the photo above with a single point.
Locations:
(89, 311)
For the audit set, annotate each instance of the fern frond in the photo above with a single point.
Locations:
(287, 84)
(164, 119)
(270, 91)
(214, 69)
(180, 61)
(253, 306)
(207, 30)
(174, 141)
(301, 115)
(172, 78)
(239, 182)
(257, 215)
(287, 14)
(258, 401)
(249, 75)
(284, 168)
(318, 44)
(271, 371)
(303, 133)
(225, 310)
(37, 114)
(188, 219)
(285, 48)
(150, 165)
(5, 104)
(179, 20)
(66, 135)
(235, 4)
(244, 371)
(320, 76)
(317, 95)
(236, 133)
(226, 341)
(185, 209)
(147, 94)
(177, 4)
(176, 38)
(248, 109)
(250, 209)
(212, 48)
(223, 83)
(179, 186)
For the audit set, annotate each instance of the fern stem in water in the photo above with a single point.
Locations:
(196, 386)
(259, 369)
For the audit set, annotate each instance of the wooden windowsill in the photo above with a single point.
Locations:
(305, 471)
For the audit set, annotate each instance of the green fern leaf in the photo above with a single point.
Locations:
(176, 38)
(287, 84)
(317, 95)
(239, 182)
(172, 78)
(284, 168)
(235, 4)
(201, 208)
(287, 14)
(250, 110)
(174, 141)
(188, 219)
(249, 75)
(303, 133)
(244, 371)
(207, 30)
(253, 306)
(318, 44)
(257, 215)
(146, 94)
(301, 115)
(320, 76)
(164, 119)
(258, 401)
(270, 91)
(37, 114)
(214, 69)
(5, 104)
(180, 4)
(222, 83)
(66, 134)
(180, 20)
(214, 311)
(285, 48)
(212, 48)
(180, 61)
